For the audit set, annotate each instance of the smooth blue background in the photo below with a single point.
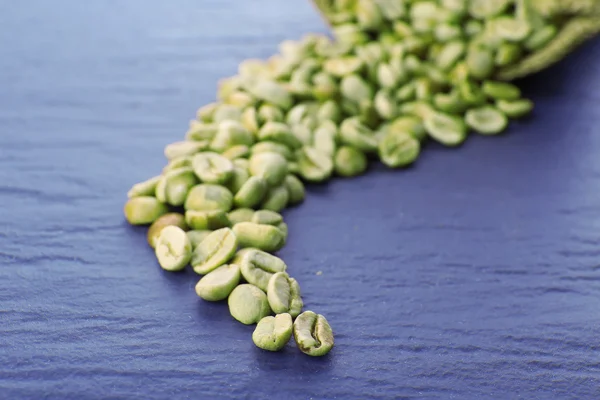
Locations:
(475, 274)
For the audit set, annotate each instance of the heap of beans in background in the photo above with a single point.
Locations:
(397, 74)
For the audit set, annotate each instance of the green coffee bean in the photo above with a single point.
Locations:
(450, 103)
(423, 89)
(343, 66)
(297, 114)
(231, 133)
(507, 54)
(146, 188)
(174, 219)
(402, 29)
(197, 236)
(407, 92)
(389, 77)
(272, 147)
(238, 179)
(391, 9)
(501, 90)
(480, 62)
(484, 9)
(227, 112)
(263, 237)
(473, 28)
(212, 167)
(486, 120)
(295, 189)
(241, 163)
(241, 215)
(303, 133)
(423, 16)
(540, 38)
(173, 187)
(420, 109)
(173, 248)
(350, 161)
(515, 108)
(293, 168)
(355, 89)
(471, 93)
(511, 29)
(312, 334)
(368, 15)
(185, 148)
(329, 111)
(225, 87)
(356, 134)
(270, 113)
(299, 89)
(258, 267)
(283, 294)
(240, 99)
(313, 165)
(252, 67)
(276, 198)
(267, 217)
(398, 149)
(446, 129)
(201, 131)
(176, 163)
(349, 34)
(435, 77)
(143, 210)
(215, 250)
(325, 88)
(385, 105)
(272, 167)
(203, 220)
(205, 113)
(208, 197)
(219, 284)
(237, 151)
(252, 192)
(460, 73)
(411, 125)
(447, 32)
(249, 120)
(273, 333)
(279, 133)
(324, 139)
(248, 304)
(271, 92)
(450, 54)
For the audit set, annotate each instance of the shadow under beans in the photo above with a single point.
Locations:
(571, 73)
(290, 357)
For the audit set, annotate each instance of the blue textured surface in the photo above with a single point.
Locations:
(475, 274)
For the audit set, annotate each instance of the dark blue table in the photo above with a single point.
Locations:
(475, 274)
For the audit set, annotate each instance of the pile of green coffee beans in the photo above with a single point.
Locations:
(396, 74)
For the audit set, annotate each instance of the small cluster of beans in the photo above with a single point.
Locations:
(397, 74)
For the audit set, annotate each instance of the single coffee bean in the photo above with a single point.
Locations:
(215, 250)
(312, 334)
(173, 249)
(258, 267)
(283, 294)
(273, 333)
(163, 221)
(265, 237)
(248, 304)
(218, 284)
